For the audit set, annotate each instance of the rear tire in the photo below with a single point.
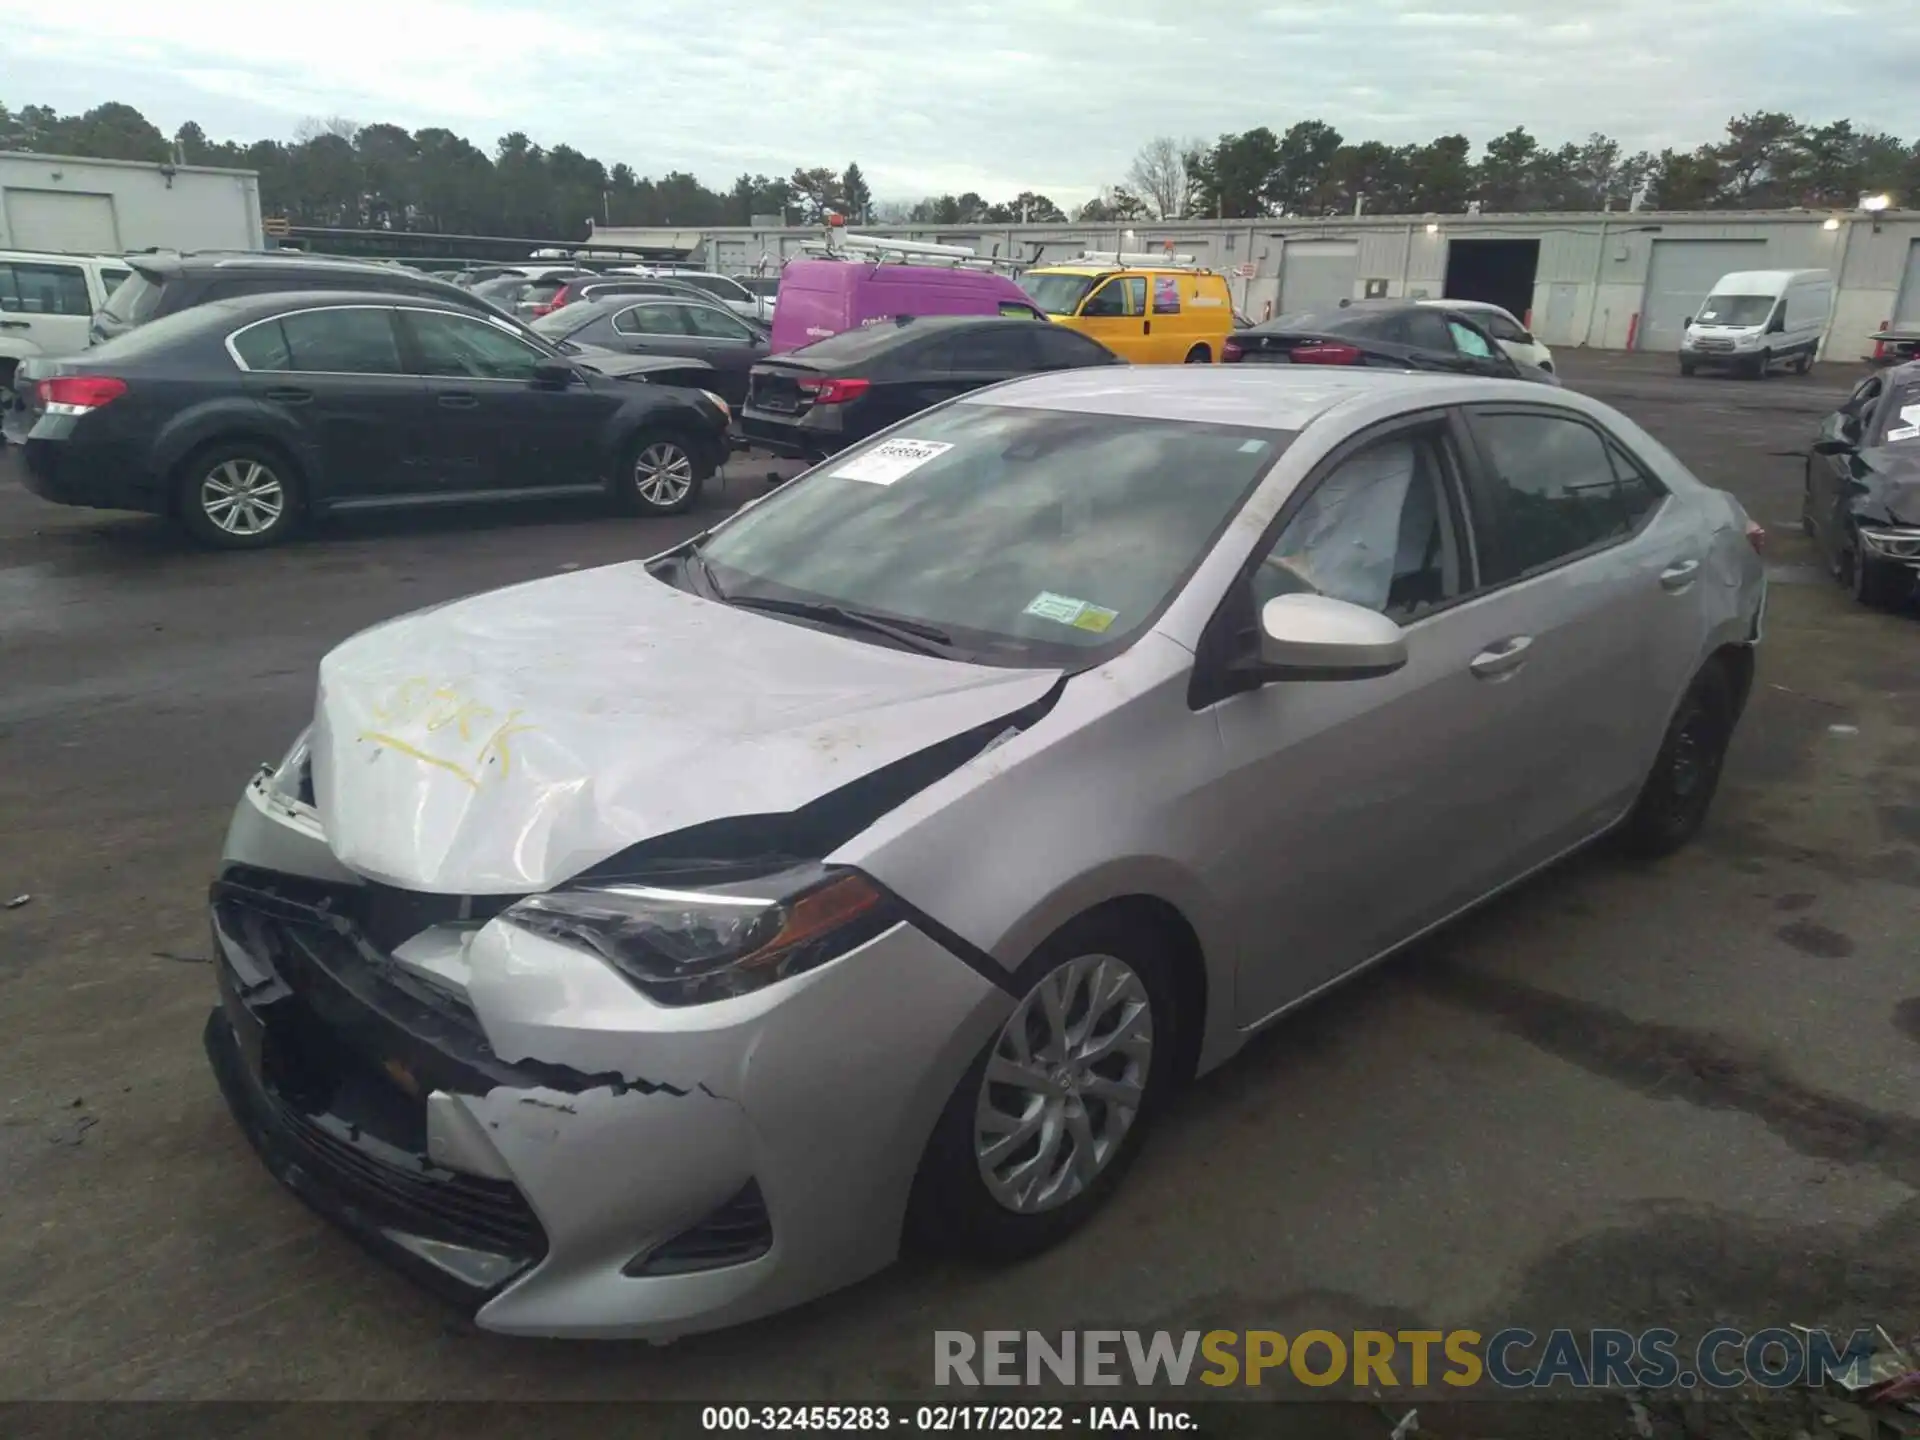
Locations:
(1679, 790)
(1199, 355)
(238, 495)
(1046, 1185)
(661, 474)
(1803, 362)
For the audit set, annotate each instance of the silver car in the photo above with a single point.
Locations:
(640, 950)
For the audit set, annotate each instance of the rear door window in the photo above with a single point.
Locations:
(1428, 330)
(999, 351)
(262, 347)
(650, 320)
(1553, 490)
(37, 288)
(343, 342)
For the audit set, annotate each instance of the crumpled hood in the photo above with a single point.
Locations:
(505, 742)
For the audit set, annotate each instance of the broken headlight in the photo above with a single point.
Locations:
(289, 779)
(688, 947)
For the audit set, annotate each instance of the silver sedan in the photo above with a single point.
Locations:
(641, 950)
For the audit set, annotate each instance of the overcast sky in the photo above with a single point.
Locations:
(1049, 95)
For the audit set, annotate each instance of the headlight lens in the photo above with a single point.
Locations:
(726, 410)
(689, 947)
(288, 780)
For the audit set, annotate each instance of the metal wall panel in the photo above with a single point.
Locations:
(1907, 308)
(1317, 273)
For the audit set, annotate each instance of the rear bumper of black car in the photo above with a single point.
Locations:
(807, 436)
(67, 471)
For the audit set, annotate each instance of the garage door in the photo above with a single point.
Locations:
(1316, 274)
(1908, 312)
(62, 220)
(1682, 273)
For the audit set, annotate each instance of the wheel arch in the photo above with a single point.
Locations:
(193, 430)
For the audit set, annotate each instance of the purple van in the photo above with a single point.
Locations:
(819, 298)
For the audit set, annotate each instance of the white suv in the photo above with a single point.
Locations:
(47, 302)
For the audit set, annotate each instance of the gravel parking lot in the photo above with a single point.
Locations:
(1681, 1095)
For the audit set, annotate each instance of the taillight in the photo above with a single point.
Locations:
(1230, 351)
(78, 394)
(1325, 353)
(1757, 537)
(824, 391)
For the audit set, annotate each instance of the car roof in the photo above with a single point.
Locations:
(241, 308)
(1260, 397)
(209, 262)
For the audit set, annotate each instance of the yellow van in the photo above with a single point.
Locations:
(1143, 309)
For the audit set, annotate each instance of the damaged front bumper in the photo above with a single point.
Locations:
(512, 1123)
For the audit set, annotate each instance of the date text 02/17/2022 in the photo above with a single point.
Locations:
(947, 1419)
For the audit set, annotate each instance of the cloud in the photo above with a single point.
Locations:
(1048, 95)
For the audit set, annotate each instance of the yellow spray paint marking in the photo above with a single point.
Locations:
(445, 715)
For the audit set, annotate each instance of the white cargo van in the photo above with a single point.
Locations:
(1755, 319)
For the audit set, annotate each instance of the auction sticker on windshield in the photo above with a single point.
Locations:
(1068, 611)
(890, 460)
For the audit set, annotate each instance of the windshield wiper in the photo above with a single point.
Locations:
(695, 561)
(927, 639)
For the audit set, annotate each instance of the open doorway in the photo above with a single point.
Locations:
(1494, 272)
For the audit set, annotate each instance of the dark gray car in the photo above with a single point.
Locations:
(664, 325)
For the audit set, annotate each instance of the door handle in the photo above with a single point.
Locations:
(458, 401)
(16, 324)
(1680, 575)
(1497, 662)
(287, 395)
(1146, 327)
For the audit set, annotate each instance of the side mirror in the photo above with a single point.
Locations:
(1687, 321)
(553, 372)
(1315, 637)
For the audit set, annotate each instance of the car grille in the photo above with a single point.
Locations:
(466, 1209)
(1717, 346)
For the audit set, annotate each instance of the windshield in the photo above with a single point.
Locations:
(1055, 293)
(1735, 310)
(564, 321)
(1032, 537)
(718, 285)
(1902, 423)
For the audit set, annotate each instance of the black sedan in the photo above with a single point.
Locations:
(825, 396)
(242, 417)
(1862, 505)
(1395, 334)
(662, 325)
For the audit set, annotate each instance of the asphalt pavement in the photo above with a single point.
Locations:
(1677, 1094)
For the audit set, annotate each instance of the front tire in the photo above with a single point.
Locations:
(661, 475)
(1045, 1122)
(1679, 790)
(238, 495)
(1875, 583)
(1686, 367)
(1762, 363)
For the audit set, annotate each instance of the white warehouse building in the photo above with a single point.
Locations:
(1627, 280)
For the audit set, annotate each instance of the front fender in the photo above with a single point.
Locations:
(222, 418)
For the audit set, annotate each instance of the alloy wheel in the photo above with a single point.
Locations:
(1064, 1084)
(243, 497)
(663, 473)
